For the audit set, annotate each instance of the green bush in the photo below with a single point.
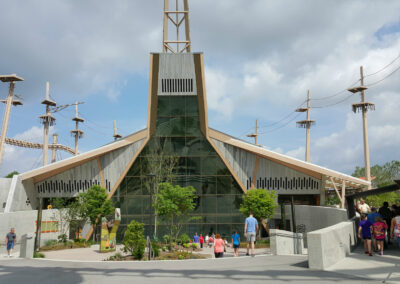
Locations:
(166, 238)
(134, 241)
(194, 246)
(156, 249)
(37, 254)
(50, 243)
(183, 239)
(62, 238)
(186, 246)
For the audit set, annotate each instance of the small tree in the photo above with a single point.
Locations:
(93, 204)
(10, 175)
(173, 204)
(134, 241)
(67, 213)
(261, 202)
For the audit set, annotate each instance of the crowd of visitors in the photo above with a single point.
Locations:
(378, 227)
(214, 240)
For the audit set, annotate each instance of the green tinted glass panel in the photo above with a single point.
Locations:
(133, 186)
(177, 105)
(191, 106)
(163, 108)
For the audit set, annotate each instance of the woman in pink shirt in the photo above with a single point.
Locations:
(219, 246)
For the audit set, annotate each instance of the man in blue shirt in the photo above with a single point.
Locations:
(196, 238)
(250, 230)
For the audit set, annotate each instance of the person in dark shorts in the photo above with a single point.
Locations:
(364, 232)
(219, 246)
(236, 243)
(10, 241)
(379, 232)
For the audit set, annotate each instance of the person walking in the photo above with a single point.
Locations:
(371, 217)
(196, 238)
(379, 229)
(250, 229)
(10, 241)
(386, 214)
(364, 232)
(395, 226)
(219, 246)
(235, 243)
(201, 240)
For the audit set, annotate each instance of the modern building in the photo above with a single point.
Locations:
(220, 167)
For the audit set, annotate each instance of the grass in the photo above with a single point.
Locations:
(51, 245)
(37, 254)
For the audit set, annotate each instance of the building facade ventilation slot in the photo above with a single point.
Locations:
(177, 85)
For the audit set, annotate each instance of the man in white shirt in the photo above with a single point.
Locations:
(363, 207)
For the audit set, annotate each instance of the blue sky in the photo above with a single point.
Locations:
(261, 57)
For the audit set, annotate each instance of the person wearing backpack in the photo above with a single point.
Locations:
(395, 226)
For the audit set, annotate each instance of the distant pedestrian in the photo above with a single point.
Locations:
(379, 229)
(206, 239)
(10, 241)
(219, 246)
(364, 207)
(196, 238)
(364, 232)
(210, 241)
(201, 240)
(387, 215)
(250, 229)
(395, 228)
(235, 243)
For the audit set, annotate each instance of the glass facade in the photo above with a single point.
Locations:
(198, 165)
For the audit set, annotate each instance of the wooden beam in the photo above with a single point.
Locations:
(255, 172)
(337, 192)
(103, 183)
(343, 193)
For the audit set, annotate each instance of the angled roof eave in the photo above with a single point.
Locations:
(57, 167)
(288, 161)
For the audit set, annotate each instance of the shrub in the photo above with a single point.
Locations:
(166, 238)
(183, 239)
(37, 254)
(62, 238)
(186, 246)
(134, 241)
(156, 249)
(194, 246)
(50, 243)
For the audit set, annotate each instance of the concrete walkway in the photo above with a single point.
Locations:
(259, 269)
(385, 269)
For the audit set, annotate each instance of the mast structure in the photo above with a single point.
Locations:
(116, 134)
(307, 125)
(77, 133)
(9, 102)
(177, 18)
(54, 149)
(47, 120)
(363, 106)
(255, 134)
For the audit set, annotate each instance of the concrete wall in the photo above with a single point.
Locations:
(22, 221)
(4, 189)
(311, 218)
(330, 245)
(285, 242)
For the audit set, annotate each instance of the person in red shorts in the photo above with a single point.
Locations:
(379, 232)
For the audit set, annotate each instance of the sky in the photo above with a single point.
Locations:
(261, 57)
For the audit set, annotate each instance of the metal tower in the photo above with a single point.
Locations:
(363, 106)
(77, 132)
(177, 18)
(47, 120)
(10, 101)
(307, 125)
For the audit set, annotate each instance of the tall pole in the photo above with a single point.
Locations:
(308, 128)
(54, 150)
(47, 120)
(365, 131)
(307, 125)
(5, 119)
(255, 134)
(9, 102)
(116, 135)
(77, 132)
(364, 106)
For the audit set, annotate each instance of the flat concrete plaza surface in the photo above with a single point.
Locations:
(258, 269)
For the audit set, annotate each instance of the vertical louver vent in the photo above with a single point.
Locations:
(177, 85)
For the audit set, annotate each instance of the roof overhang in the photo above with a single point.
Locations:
(301, 166)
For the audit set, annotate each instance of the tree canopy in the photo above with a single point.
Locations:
(259, 201)
(94, 204)
(173, 204)
(10, 175)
